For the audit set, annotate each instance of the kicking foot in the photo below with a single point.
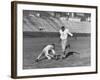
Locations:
(37, 60)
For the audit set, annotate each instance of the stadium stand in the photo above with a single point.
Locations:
(48, 23)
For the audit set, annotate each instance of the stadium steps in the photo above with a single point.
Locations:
(34, 21)
(57, 22)
(40, 23)
(28, 26)
(52, 24)
(46, 25)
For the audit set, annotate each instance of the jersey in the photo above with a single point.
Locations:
(64, 34)
(47, 48)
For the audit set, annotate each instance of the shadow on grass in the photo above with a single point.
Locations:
(71, 53)
(66, 56)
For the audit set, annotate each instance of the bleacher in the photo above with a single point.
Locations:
(77, 27)
(52, 24)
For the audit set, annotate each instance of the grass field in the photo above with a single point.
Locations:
(33, 46)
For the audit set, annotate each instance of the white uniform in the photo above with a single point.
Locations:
(63, 37)
(45, 51)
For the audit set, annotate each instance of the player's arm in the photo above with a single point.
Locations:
(52, 53)
(70, 33)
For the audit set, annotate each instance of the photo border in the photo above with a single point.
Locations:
(14, 37)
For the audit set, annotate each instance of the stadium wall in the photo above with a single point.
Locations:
(51, 34)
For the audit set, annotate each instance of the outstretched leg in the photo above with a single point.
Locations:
(63, 43)
(37, 59)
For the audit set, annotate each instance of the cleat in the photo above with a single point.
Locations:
(37, 60)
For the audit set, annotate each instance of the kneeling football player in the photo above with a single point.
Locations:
(48, 51)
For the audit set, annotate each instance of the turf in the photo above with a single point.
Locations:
(33, 46)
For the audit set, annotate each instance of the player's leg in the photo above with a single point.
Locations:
(64, 47)
(52, 53)
(37, 59)
(64, 42)
(40, 55)
(67, 45)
